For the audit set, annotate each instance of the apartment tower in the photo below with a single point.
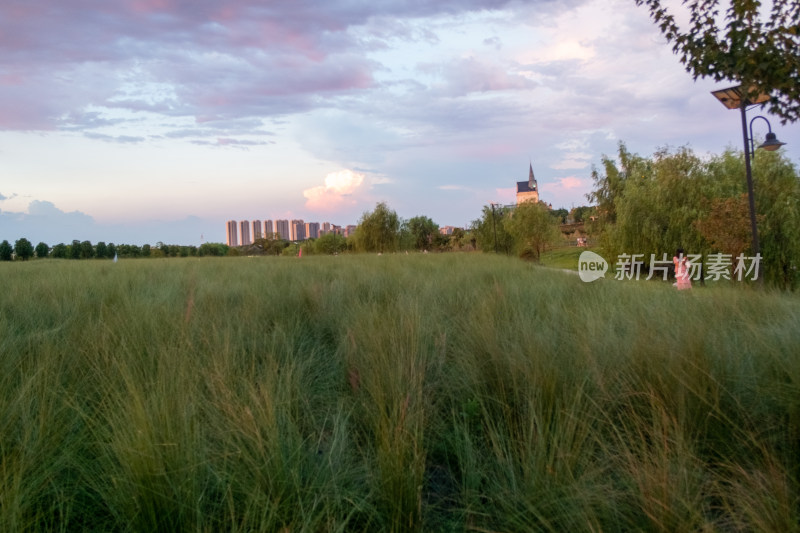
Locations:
(244, 228)
(230, 230)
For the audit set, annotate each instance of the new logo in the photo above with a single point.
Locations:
(591, 266)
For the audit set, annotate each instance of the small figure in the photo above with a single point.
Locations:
(682, 280)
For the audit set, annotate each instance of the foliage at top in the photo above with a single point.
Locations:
(738, 45)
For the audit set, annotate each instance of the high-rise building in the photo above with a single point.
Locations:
(257, 231)
(269, 231)
(282, 229)
(244, 229)
(325, 228)
(230, 231)
(349, 230)
(298, 230)
(312, 230)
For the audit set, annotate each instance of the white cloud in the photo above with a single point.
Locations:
(341, 189)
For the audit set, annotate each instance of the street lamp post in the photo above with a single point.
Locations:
(494, 223)
(735, 98)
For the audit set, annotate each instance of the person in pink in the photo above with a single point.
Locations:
(682, 279)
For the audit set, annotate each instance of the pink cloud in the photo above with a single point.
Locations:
(341, 189)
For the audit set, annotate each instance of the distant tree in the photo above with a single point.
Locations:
(560, 215)
(60, 251)
(23, 248)
(534, 229)
(215, 249)
(750, 45)
(330, 244)
(101, 250)
(42, 250)
(112, 249)
(145, 250)
(582, 213)
(422, 230)
(75, 249)
(87, 250)
(490, 233)
(5, 251)
(378, 231)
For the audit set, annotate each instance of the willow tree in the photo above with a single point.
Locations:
(378, 230)
(534, 228)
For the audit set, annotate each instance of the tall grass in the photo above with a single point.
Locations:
(391, 393)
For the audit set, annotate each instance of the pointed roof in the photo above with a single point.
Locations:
(530, 185)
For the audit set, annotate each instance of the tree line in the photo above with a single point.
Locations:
(23, 250)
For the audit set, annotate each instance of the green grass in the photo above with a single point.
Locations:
(564, 258)
(452, 392)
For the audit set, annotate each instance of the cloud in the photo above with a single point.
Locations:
(203, 59)
(241, 143)
(342, 189)
(122, 139)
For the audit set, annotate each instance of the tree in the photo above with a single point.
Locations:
(5, 251)
(330, 244)
(534, 228)
(101, 250)
(23, 248)
(657, 203)
(727, 225)
(560, 214)
(87, 250)
(60, 251)
(422, 230)
(75, 249)
(760, 55)
(379, 230)
(490, 233)
(42, 250)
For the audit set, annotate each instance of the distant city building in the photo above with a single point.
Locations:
(528, 191)
(243, 233)
(298, 230)
(244, 229)
(447, 230)
(312, 230)
(232, 237)
(282, 229)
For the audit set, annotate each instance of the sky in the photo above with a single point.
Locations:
(146, 121)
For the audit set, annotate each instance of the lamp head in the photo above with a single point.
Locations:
(772, 143)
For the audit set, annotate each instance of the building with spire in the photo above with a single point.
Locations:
(528, 191)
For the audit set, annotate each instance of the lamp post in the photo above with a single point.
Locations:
(494, 223)
(736, 98)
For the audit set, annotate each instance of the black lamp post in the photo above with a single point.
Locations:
(735, 98)
(494, 223)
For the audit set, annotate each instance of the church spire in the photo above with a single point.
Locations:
(531, 179)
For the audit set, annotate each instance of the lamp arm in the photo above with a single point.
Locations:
(752, 142)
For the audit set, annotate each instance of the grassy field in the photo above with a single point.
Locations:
(452, 392)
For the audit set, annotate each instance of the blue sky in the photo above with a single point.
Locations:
(138, 121)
